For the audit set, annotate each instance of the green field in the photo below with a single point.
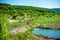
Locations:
(29, 15)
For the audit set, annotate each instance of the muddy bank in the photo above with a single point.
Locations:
(56, 26)
(45, 38)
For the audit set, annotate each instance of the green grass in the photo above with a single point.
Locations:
(33, 15)
(25, 36)
(45, 20)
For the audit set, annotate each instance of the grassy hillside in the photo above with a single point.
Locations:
(24, 15)
(29, 12)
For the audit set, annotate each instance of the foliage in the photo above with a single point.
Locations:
(25, 15)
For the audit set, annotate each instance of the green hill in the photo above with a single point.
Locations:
(42, 15)
(9, 14)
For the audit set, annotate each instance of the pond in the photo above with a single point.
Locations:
(50, 33)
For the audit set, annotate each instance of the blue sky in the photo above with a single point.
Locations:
(37, 3)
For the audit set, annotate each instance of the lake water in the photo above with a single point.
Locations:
(47, 32)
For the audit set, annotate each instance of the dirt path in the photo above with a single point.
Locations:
(16, 30)
(19, 29)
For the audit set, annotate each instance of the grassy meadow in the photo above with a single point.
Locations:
(24, 15)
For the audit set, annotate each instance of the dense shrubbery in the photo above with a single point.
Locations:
(25, 14)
